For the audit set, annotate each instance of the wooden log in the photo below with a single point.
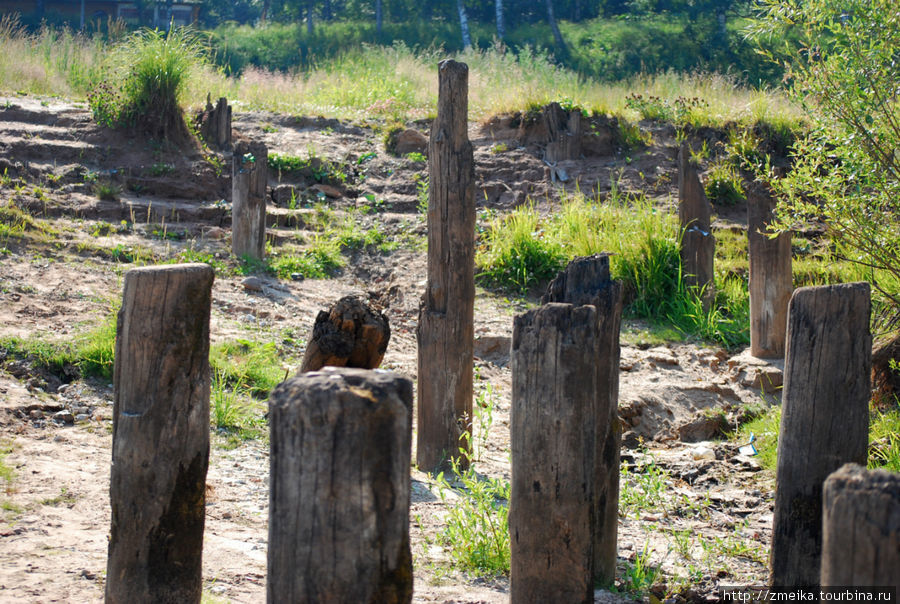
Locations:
(215, 124)
(771, 281)
(160, 449)
(555, 380)
(587, 280)
(861, 528)
(698, 246)
(445, 334)
(824, 420)
(563, 133)
(350, 334)
(340, 488)
(249, 176)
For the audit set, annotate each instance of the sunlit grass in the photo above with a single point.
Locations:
(387, 82)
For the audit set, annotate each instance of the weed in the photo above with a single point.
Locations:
(107, 191)
(230, 410)
(161, 169)
(254, 367)
(422, 193)
(499, 148)
(476, 532)
(632, 136)
(640, 575)
(641, 491)
(483, 408)
(64, 498)
(723, 184)
(416, 157)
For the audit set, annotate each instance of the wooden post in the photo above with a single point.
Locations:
(350, 334)
(824, 418)
(160, 449)
(563, 133)
(446, 334)
(698, 246)
(215, 123)
(587, 280)
(249, 175)
(861, 528)
(770, 276)
(340, 488)
(555, 380)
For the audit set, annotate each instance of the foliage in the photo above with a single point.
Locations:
(145, 80)
(250, 366)
(847, 171)
(723, 184)
(476, 531)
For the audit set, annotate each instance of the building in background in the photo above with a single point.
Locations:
(152, 13)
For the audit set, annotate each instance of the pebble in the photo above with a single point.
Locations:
(82, 417)
(63, 417)
(296, 277)
(703, 453)
(36, 414)
(252, 284)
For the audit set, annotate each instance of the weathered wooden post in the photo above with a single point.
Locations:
(340, 488)
(349, 334)
(770, 276)
(563, 133)
(249, 175)
(160, 447)
(861, 528)
(698, 246)
(553, 437)
(587, 281)
(215, 123)
(446, 334)
(824, 418)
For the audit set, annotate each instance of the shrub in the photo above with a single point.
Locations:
(147, 77)
(723, 184)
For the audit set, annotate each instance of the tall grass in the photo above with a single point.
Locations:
(391, 82)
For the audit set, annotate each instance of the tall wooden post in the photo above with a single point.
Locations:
(553, 437)
(215, 123)
(698, 246)
(770, 276)
(824, 418)
(861, 528)
(587, 281)
(249, 175)
(160, 449)
(340, 488)
(445, 334)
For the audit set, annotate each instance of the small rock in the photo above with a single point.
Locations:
(82, 417)
(81, 410)
(88, 575)
(409, 141)
(36, 414)
(630, 440)
(328, 191)
(703, 428)
(252, 284)
(296, 277)
(661, 356)
(215, 233)
(63, 417)
(699, 453)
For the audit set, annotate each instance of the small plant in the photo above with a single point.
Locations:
(107, 191)
(723, 184)
(416, 157)
(161, 169)
(229, 413)
(483, 408)
(421, 192)
(640, 575)
(632, 136)
(499, 148)
(476, 530)
(641, 491)
(269, 129)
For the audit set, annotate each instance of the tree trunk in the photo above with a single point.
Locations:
(824, 421)
(553, 421)
(340, 488)
(378, 17)
(265, 11)
(771, 280)
(554, 27)
(587, 281)
(309, 17)
(698, 246)
(350, 334)
(464, 24)
(160, 449)
(445, 333)
(248, 200)
(861, 528)
(327, 13)
(501, 30)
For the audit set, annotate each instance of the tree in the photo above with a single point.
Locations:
(841, 56)
(554, 26)
(464, 24)
(378, 17)
(498, 9)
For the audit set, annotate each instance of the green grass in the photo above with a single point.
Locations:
(476, 529)
(233, 410)
(523, 250)
(252, 366)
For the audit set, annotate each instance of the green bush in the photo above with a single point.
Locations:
(145, 80)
